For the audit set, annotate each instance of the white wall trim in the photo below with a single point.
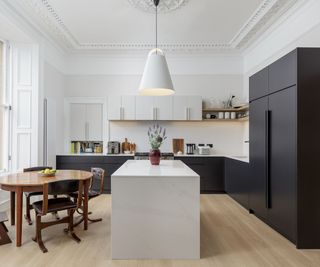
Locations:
(283, 36)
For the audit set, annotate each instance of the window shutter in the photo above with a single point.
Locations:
(25, 84)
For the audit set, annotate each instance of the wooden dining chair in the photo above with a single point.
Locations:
(28, 195)
(4, 238)
(47, 205)
(95, 189)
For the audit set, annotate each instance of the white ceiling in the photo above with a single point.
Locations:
(117, 24)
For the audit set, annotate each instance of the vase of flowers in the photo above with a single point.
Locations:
(157, 135)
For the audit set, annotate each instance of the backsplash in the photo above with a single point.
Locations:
(227, 137)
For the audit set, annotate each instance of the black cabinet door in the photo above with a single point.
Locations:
(237, 181)
(214, 181)
(282, 106)
(210, 170)
(283, 72)
(258, 84)
(258, 152)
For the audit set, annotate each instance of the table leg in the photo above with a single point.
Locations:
(13, 207)
(19, 217)
(85, 204)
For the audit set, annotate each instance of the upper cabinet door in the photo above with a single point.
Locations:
(114, 108)
(94, 122)
(145, 108)
(258, 84)
(180, 108)
(77, 122)
(187, 108)
(283, 72)
(163, 108)
(195, 108)
(128, 107)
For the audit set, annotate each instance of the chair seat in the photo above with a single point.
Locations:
(30, 194)
(91, 194)
(55, 204)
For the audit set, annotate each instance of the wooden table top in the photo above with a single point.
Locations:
(34, 178)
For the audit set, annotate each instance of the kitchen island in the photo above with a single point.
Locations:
(155, 211)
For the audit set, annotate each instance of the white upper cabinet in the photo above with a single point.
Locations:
(77, 122)
(163, 106)
(114, 108)
(195, 108)
(86, 122)
(166, 108)
(121, 108)
(94, 114)
(187, 108)
(145, 108)
(128, 105)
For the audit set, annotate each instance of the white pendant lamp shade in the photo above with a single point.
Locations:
(156, 79)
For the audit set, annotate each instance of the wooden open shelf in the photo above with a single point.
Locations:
(241, 109)
(229, 120)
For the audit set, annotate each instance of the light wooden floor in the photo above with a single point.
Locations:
(229, 237)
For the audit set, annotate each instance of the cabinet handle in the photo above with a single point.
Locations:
(187, 118)
(157, 118)
(122, 113)
(267, 155)
(189, 113)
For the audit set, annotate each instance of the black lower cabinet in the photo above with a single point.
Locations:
(109, 163)
(210, 170)
(237, 181)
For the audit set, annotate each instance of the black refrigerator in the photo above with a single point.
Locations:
(284, 145)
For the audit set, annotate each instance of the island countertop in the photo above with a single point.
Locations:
(143, 168)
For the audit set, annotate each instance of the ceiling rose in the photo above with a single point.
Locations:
(164, 5)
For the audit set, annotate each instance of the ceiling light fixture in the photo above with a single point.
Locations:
(156, 79)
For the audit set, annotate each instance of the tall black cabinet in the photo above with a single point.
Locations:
(285, 145)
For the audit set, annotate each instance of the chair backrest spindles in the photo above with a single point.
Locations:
(63, 187)
(98, 174)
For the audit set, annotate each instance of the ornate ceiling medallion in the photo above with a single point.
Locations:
(164, 5)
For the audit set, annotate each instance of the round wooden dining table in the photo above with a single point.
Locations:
(17, 183)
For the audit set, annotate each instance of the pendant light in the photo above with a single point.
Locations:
(156, 79)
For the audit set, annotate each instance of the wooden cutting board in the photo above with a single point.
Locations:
(177, 145)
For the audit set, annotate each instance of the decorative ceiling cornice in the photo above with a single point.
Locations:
(52, 24)
(165, 6)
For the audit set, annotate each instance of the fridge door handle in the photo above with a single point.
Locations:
(267, 152)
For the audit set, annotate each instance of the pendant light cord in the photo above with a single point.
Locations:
(156, 3)
(156, 29)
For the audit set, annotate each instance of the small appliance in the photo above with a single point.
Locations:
(204, 149)
(113, 147)
(191, 148)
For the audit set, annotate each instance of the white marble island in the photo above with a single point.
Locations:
(155, 211)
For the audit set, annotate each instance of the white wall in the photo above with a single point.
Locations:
(54, 85)
(226, 137)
